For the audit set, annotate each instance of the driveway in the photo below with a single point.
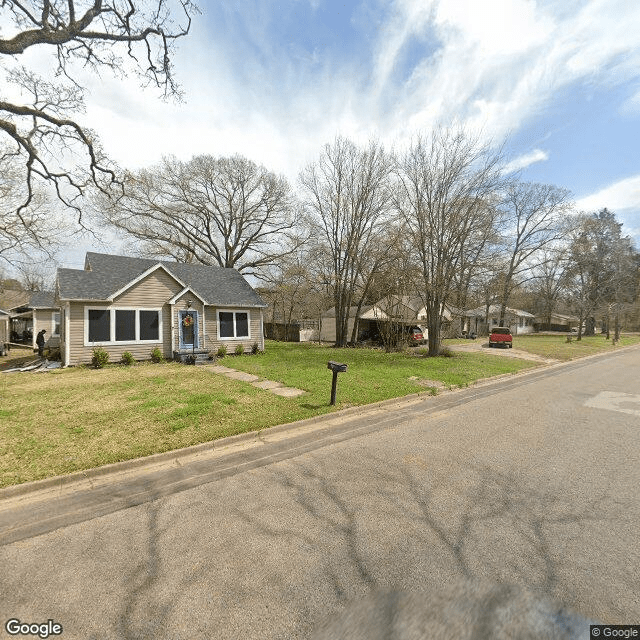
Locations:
(482, 346)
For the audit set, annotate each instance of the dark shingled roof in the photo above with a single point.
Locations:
(37, 300)
(43, 300)
(109, 274)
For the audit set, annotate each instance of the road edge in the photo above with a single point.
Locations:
(35, 486)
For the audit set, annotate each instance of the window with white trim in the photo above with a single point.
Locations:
(113, 325)
(233, 324)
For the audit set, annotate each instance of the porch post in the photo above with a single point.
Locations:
(67, 325)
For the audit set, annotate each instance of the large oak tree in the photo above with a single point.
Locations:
(228, 212)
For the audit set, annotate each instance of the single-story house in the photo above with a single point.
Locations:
(39, 311)
(517, 320)
(405, 310)
(555, 322)
(130, 304)
(328, 323)
(4, 331)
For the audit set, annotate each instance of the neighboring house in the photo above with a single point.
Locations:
(4, 331)
(328, 323)
(39, 311)
(137, 304)
(401, 310)
(410, 310)
(555, 322)
(517, 320)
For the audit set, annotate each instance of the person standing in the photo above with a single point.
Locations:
(40, 342)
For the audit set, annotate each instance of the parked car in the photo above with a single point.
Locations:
(416, 336)
(501, 336)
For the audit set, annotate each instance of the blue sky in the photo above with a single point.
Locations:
(559, 80)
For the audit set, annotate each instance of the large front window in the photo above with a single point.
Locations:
(149, 325)
(122, 326)
(233, 324)
(125, 325)
(99, 325)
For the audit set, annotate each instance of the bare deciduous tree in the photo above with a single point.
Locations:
(28, 235)
(40, 134)
(217, 211)
(348, 194)
(447, 181)
(550, 280)
(533, 220)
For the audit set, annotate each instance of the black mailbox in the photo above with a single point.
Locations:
(336, 367)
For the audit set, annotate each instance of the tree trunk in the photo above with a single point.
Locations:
(590, 326)
(581, 321)
(433, 324)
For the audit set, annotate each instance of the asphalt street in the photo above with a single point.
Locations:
(497, 511)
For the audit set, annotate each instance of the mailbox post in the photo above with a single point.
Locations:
(337, 368)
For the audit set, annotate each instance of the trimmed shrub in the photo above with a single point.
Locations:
(239, 350)
(99, 358)
(156, 355)
(255, 348)
(222, 351)
(127, 358)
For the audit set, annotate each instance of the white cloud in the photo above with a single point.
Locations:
(621, 195)
(500, 62)
(631, 106)
(488, 65)
(537, 155)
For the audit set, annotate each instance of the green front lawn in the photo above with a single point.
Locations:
(558, 348)
(67, 420)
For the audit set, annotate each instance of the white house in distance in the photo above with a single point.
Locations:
(517, 320)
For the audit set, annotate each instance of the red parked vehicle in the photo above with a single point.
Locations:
(501, 336)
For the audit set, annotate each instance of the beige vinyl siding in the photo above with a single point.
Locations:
(4, 328)
(255, 330)
(81, 354)
(152, 292)
(42, 320)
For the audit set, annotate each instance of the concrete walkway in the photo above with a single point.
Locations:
(269, 385)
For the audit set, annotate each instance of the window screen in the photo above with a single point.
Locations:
(226, 324)
(149, 325)
(99, 325)
(125, 325)
(242, 325)
(56, 324)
